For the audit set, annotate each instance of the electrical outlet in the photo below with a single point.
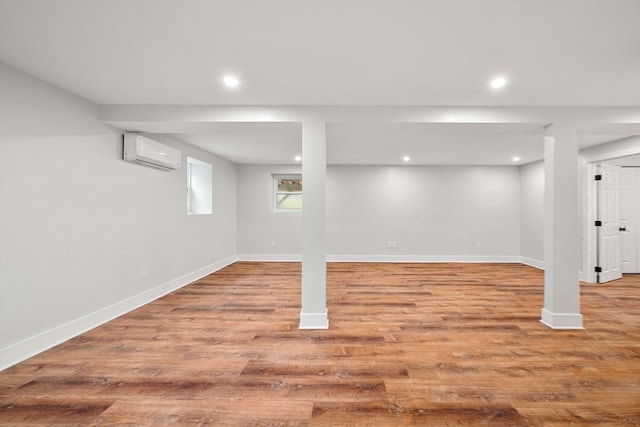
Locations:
(273, 243)
(478, 244)
(392, 244)
(219, 248)
(143, 272)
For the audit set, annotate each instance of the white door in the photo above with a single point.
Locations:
(609, 232)
(629, 218)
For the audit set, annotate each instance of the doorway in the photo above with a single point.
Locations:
(613, 222)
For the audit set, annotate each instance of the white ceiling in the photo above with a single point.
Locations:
(426, 143)
(386, 143)
(628, 161)
(376, 143)
(337, 52)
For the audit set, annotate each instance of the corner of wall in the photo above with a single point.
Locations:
(31, 346)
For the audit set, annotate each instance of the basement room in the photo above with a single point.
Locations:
(320, 213)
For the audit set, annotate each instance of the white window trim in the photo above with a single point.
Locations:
(274, 190)
(200, 191)
(189, 210)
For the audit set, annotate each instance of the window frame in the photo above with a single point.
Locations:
(199, 187)
(275, 192)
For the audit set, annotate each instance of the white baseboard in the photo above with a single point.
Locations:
(383, 258)
(532, 262)
(586, 277)
(423, 258)
(561, 320)
(31, 346)
(399, 258)
(269, 257)
(314, 320)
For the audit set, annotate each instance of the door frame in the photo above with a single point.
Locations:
(588, 163)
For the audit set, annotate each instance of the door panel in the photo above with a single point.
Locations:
(608, 232)
(629, 218)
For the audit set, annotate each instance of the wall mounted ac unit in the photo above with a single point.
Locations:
(143, 150)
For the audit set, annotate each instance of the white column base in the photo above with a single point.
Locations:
(561, 320)
(314, 320)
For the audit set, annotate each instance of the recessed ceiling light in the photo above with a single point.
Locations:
(231, 81)
(516, 159)
(498, 82)
(406, 158)
(297, 158)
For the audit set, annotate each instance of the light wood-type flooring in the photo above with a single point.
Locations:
(407, 344)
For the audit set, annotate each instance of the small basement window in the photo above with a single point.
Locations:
(287, 192)
(199, 187)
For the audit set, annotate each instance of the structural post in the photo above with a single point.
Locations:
(561, 245)
(314, 253)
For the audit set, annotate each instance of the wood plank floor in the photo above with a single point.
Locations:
(408, 344)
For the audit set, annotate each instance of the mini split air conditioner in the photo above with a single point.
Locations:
(148, 152)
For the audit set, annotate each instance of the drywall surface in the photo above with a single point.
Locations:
(392, 213)
(85, 235)
(423, 213)
(263, 232)
(532, 214)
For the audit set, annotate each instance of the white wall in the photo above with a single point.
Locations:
(532, 214)
(78, 223)
(431, 212)
(258, 224)
(532, 205)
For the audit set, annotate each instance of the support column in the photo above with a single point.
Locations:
(561, 246)
(314, 252)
